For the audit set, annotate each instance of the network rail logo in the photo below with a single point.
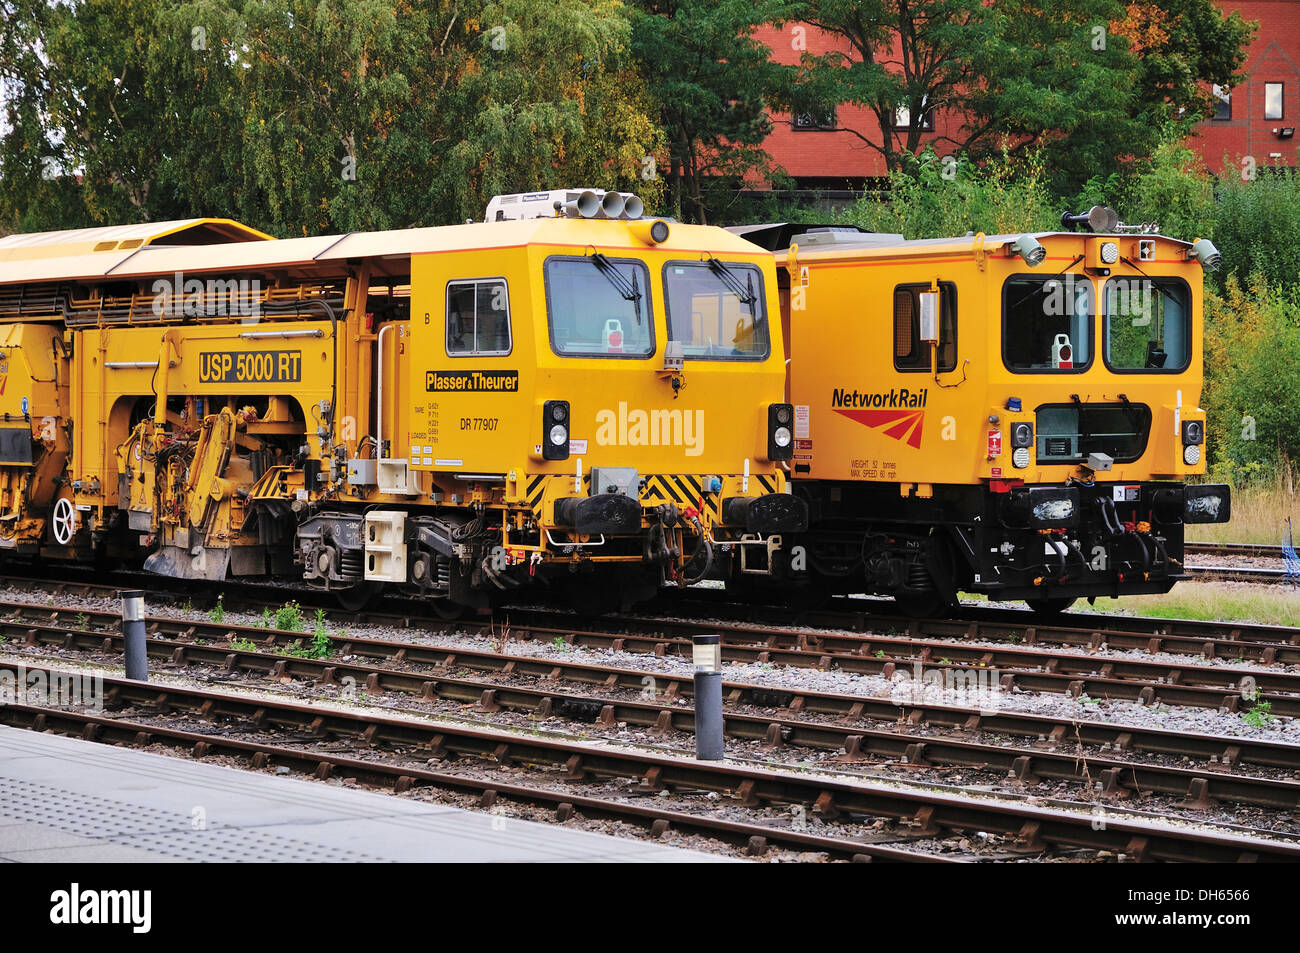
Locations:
(900, 411)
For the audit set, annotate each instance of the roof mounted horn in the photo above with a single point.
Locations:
(1099, 218)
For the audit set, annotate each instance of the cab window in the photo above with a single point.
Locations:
(1148, 324)
(599, 307)
(716, 310)
(478, 317)
(910, 352)
(1047, 323)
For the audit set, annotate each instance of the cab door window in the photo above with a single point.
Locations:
(478, 317)
(910, 352)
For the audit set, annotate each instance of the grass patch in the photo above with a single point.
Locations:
(1259, 514)
(1212, 602)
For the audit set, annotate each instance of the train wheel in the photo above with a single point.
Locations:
(1050, 607)
(588, 597)
(743, 589)
(924, 605)
(447, 610)
(355, 598)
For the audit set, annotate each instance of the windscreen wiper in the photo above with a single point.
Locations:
(630, 290)
(1043, 281)
(745, 293)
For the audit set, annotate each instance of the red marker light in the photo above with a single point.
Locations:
(616, 340)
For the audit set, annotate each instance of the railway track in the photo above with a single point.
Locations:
(853, 613)
(1255, 574)
(1252, 562)
(1013, 665)
(1257, 550)
(866, 730)
(400, 750)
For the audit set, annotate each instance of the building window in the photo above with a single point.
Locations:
(1272, 100)
(815, 121)
(903, 117)
(1222, 103)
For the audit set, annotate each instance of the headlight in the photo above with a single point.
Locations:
(1022, 434)
(780, 442)
(1020, 458)
(1193, 432)
(1191, 454)
(1203, 250)
(1109, 253)
(1207, 503)
(1028, 248)
(1041, 507)
(1054, 511)
(555, 425)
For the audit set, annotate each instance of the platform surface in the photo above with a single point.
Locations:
(67, 800)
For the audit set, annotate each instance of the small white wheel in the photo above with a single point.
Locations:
(64, 521)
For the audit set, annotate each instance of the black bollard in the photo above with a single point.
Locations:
(709, 743)
(137, 661)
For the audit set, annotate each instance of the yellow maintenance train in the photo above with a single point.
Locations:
(566, 395)
(573, 396)
(1013, 415)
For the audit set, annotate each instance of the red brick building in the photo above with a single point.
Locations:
(1258, 119)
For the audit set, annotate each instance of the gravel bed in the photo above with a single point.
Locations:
(901, 689)
(964, 780)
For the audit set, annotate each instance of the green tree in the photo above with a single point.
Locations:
(1174, 190)
(1252, 368)
(1257, 228)
(713, 84)
(1183, 47)
(1064, 78)
(305, 116)
(81, 109)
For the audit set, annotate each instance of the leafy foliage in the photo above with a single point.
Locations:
(713, 83)
(1257, 227)
(1252, 363)
(938, 198)
(1070, 79)
(303, 117)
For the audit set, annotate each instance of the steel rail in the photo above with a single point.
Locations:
(1032, 827)
(1113, 777)
(189, 638)
(756, 838)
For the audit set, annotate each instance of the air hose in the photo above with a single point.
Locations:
(704, 546)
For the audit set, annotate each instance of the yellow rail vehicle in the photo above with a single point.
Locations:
(1011, 415)
(565, 395)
